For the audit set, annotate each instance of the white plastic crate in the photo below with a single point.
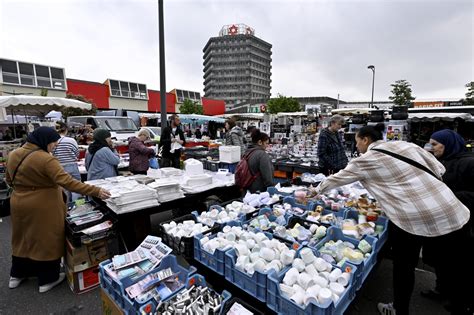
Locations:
(229, 153)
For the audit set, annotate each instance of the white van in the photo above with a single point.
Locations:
(120, 127)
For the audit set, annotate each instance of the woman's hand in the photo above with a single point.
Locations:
(104, 194)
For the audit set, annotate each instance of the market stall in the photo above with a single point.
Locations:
(260, 250)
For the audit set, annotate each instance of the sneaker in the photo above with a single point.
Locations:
(14, 282)
(46, 287)
(386, 309)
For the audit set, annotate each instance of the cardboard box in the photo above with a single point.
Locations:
(83, 281)
(90, 255)
(109, 307)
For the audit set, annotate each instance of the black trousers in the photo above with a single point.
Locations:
(453, 267)
(171, 162)
(45, 271)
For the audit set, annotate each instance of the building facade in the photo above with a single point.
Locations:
(237, 66)
(17, 77)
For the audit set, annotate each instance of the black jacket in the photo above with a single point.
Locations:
(165, 142)
(459, 177)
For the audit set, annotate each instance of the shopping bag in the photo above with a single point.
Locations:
(154, 163)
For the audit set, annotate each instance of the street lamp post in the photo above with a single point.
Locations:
(372, 67)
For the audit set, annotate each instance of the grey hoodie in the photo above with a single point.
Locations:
(236, 137)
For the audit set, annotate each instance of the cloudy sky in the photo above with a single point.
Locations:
(320, 48)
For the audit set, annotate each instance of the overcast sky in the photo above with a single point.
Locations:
(320, 48)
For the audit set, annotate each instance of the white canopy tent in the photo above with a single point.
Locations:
(31, 105)
(36, 105)
(415, 117)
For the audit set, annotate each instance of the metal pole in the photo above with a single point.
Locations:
(162, 65)
(373, 82)
(337, 106)
(14, 127)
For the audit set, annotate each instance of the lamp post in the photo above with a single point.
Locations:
(372, 67)
(161, 35)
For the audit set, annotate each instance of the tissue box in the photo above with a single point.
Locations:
(229, 153)
(193, 167)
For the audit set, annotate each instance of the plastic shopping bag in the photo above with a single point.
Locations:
(154, 163)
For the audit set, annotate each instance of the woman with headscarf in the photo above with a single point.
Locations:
(101, 158)
(449, 147)
(38, 209)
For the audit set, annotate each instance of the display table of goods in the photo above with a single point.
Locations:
(296, 256)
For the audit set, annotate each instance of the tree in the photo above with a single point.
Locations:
(71, 111)
(190, 107)
(283, 104)
(401, 91)
(469, 100)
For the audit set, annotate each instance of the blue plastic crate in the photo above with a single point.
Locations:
(240, 218)
(215, 261)
(281, 304)
(364, 267)
(195, 279)
(383, 221)
(262, 211)
(167, 262)
(228, 166)
(256, 284)
(310, 206)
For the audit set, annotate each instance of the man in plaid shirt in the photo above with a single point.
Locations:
(421, 207)
(331, 152)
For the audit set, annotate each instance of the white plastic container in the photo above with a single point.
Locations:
(193, 167)
(229, 153)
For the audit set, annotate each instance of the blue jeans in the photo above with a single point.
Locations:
(73, 170)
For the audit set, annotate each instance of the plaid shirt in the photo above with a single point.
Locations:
(331, 152)
(412, 199)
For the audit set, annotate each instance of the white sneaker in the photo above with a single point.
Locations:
(46, 287)
(386, 309)
(14, 282)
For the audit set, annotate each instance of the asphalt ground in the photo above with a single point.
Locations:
(61, 300)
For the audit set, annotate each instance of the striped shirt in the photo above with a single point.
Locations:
(66, 151)
(411, 198)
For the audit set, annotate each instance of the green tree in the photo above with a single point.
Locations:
(401, 91)
(469, 100)
(283, 104)
(71, 111)
(190, 107)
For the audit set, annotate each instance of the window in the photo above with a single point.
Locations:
(114, 88)
(9, 71)
(27, 75)
(42, 76)
(142, 90)
(57, 76)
